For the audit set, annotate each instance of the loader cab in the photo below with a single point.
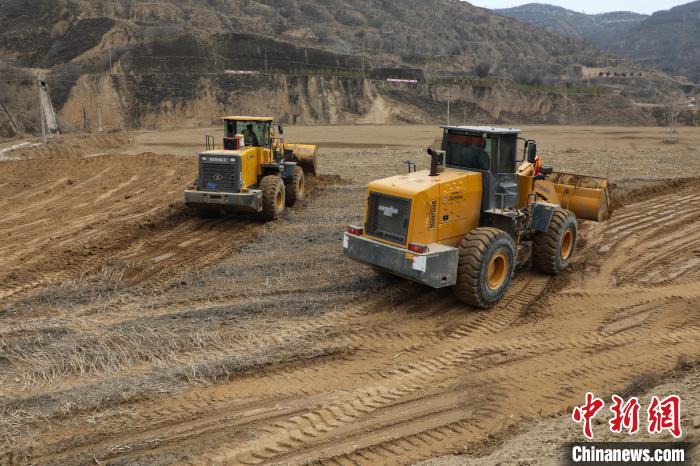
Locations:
(490, 151)
(256, 130)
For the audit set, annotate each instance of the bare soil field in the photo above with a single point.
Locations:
(134, 332)
(542, 441)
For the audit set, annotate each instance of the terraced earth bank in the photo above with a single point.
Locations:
(260, 344)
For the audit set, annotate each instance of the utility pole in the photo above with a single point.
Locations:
(109, 51)
(99, 117)
(448, 107)
(266, 62)
(41, 112)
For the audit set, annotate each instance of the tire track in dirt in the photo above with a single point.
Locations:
(94, 206)
(428, 375)
(413, 375)
(75, 215)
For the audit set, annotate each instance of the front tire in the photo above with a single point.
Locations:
(554, 249)
(294, 190)
(485, 267)
(272, 197)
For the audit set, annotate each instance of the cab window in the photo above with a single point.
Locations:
(230, 128)
(506, 154)
(255, 133)
(264, 133)
(467, 150)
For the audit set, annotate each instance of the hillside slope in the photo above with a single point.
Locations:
(410, 31)
(668, 40)
(165, 63)
(572, 23)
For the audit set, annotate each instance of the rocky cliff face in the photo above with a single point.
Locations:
(145, 64)
(152, 101)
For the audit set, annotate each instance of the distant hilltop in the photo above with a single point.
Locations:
(667, 40)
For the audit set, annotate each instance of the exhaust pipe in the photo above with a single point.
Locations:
(435, 162)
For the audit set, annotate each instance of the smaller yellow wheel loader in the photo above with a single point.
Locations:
(255, 171)
(475, 215)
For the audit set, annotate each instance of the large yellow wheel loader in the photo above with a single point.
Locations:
(477, 214)
(255, 171)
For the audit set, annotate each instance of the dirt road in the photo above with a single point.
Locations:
(277, 350)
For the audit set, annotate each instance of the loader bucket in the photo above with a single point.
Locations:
(586, 196)
(305, 155)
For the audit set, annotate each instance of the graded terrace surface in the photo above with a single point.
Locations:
(134, 332)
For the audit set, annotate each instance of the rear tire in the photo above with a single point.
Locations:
(485, 267)
(554, 249)
(294, 190)
(272, 197)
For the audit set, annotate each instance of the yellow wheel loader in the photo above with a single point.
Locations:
(477, 214)
(255, 171)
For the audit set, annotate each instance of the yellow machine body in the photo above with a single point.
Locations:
(254, 157)
(446, 207)
(473, 217)
(232, 177)
(443, 208)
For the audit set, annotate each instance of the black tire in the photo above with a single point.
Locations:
(294, 190)
(272, 197)
(554, 249)
(485, 267)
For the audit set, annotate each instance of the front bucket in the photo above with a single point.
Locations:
(305, 155)
(586, 196)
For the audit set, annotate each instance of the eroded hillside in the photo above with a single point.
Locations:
(129, 64)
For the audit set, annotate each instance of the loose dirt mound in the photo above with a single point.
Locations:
(636, 190)
(74, 145)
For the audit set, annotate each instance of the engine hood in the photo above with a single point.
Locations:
(411, 184)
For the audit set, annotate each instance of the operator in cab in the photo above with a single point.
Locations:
(250, 138)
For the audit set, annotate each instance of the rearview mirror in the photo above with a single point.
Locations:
(280, 129)
(531, 151)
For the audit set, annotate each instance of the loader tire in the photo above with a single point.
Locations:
(294, 190)
(272, 197)
(485, 267)
(554, 249)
